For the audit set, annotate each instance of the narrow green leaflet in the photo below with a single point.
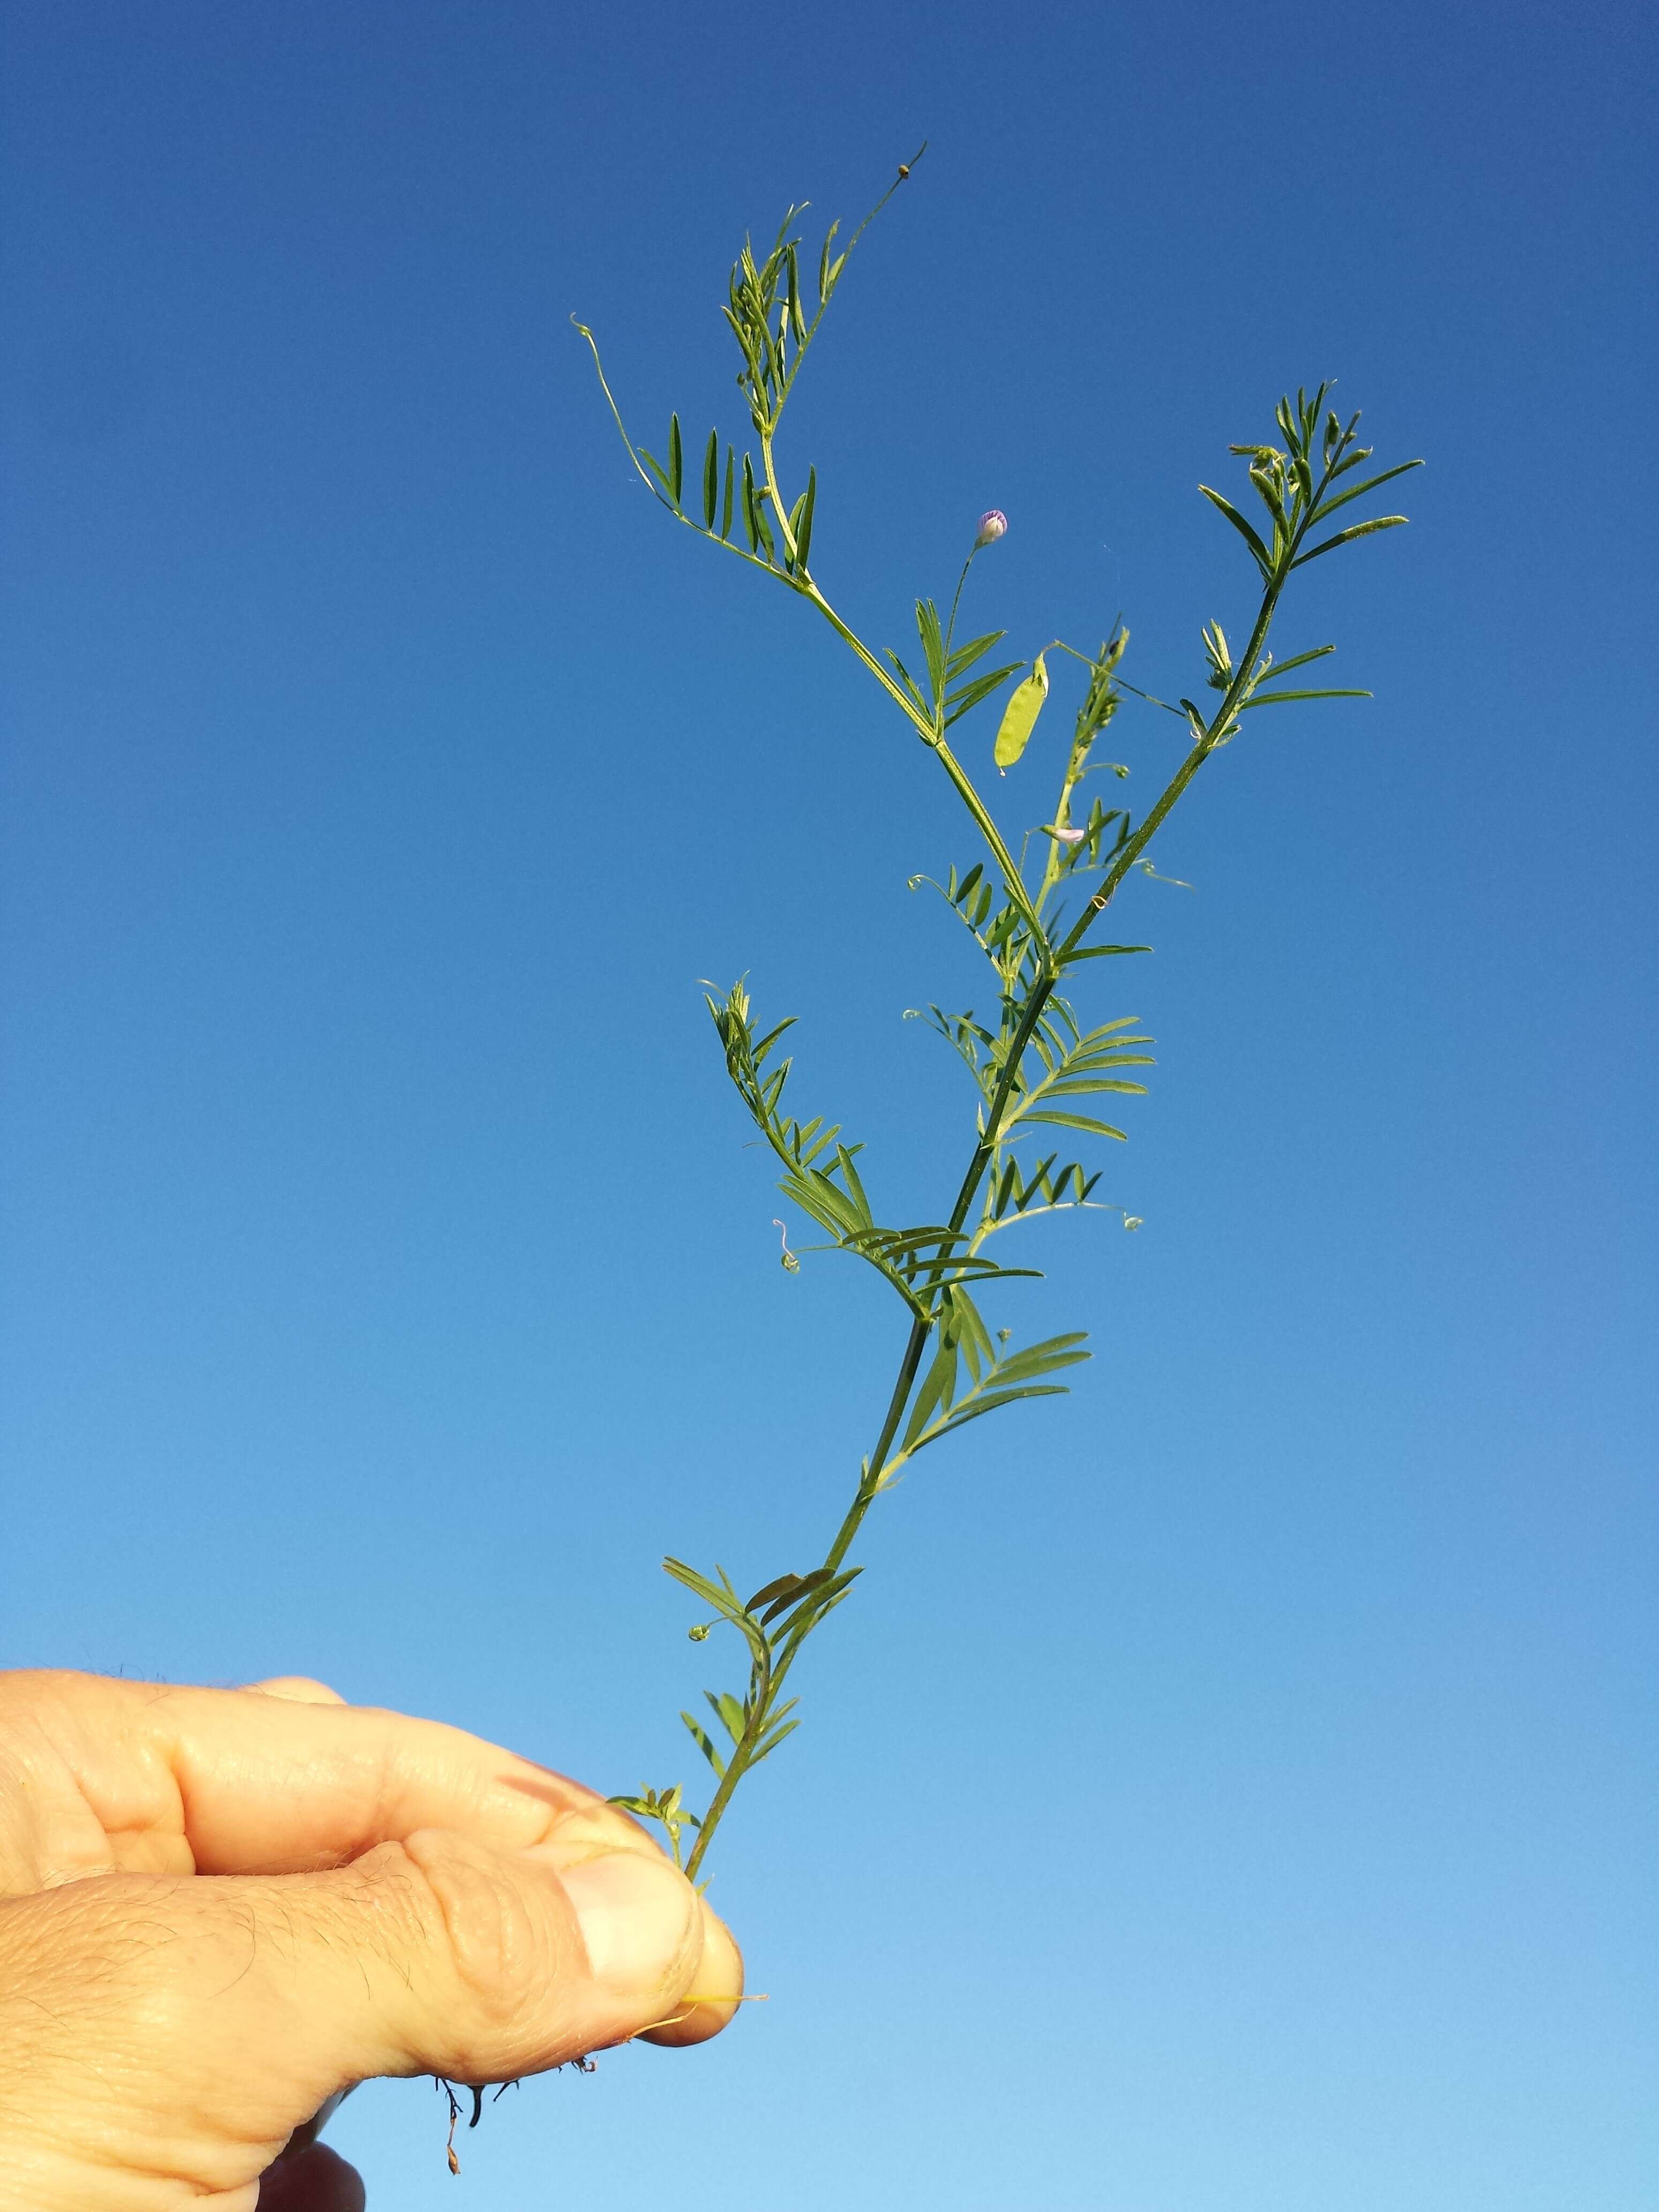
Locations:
(1347, 536)
(800, 521)
(711, 479)
(729, 1712)
(705, 1744)
(1283, 698)
(1251, 538)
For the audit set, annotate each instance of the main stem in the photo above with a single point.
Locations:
(1050, 962)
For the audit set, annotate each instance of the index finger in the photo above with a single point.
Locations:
(247, 1783)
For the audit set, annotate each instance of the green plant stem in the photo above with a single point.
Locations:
(737, 1768)
(768, 1675)
(785, 535)
(915, 1346)
(1050, 963)
(956, 601)
(934, 738)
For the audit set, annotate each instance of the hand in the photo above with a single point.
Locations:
(221, 1908)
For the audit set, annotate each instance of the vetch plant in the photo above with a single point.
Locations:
(1035, 1063)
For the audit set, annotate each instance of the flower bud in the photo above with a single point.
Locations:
(992, 524)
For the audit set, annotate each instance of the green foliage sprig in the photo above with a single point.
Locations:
(1033, 1064)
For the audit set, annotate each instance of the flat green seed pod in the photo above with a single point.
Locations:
(1019, 718)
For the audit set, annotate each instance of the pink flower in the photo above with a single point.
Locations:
(992, 524)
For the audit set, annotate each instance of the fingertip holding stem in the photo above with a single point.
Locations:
(715, 1995)
(654, 1946)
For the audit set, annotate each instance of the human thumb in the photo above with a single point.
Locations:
(203, 2020)
(443, 1954)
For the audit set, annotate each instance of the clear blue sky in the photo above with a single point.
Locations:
(1233, 1788)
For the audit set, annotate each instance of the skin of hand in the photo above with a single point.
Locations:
(219, 1909)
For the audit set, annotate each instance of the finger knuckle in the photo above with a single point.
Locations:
(502, 1949)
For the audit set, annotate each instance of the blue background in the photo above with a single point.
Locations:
(1232, 1787)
